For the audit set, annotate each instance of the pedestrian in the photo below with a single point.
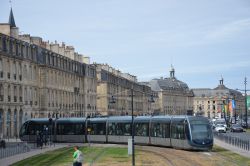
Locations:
(77, 157)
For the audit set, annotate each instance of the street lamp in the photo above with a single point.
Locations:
(245, 90)
(112, 101)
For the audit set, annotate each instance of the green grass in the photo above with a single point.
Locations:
(64, 156)
(235, 158)
(107, 155)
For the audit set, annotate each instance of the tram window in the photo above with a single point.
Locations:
(167, 129)
(34, 128)
(70, 129)
(98, 128)
(158, 130)
(177, 131)
(187, 131)
(112, 129)
(141, 129)
(119, 129)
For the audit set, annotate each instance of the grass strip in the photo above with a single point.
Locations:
(233, 157)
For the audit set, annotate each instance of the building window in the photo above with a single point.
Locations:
(1, 68)
(1, 92)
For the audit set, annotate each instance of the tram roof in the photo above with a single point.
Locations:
(40, 119)
(98, 119)
(198, 118)
(83, 119)
(161, 118)
(142, 118)
(120, 119)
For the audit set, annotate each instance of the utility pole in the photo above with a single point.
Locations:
(245, 82)
(245, 90)
(133, 141)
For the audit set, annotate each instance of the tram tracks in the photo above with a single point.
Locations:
(172, 157)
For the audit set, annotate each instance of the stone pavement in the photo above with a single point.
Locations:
(13, 159)
(232, 148)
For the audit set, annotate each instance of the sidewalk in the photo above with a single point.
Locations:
(13, 159)
(234, 149)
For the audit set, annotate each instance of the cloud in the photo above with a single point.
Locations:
(229, 30)
(198, 34)
(216, 68)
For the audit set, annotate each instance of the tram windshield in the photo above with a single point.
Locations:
(200, 130)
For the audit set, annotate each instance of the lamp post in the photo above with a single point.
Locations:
(132, 122)
(132, 108)
(112, 101)
(245, 91)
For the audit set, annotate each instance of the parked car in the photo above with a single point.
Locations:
(220, 128)
(236, 128)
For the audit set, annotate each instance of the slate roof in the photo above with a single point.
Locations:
(168, 84)
(11, 19)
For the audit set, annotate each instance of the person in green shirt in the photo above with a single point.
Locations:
(77, 157)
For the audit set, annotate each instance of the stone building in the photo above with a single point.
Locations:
(114, 93)
(174, 96)
(214, 103)
(41, 79)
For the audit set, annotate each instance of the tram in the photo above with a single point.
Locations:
(180, 132)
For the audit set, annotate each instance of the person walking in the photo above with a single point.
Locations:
(77, 157)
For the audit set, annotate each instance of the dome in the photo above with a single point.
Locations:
(171, 83)
(168, 84)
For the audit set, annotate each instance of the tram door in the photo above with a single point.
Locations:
(177, 135)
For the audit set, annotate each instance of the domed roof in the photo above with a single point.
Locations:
(168, 84)
(171, 83)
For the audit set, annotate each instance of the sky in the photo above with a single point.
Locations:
(203, 40)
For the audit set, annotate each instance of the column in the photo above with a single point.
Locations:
(12, 127)
(4, 122)
(18, 121)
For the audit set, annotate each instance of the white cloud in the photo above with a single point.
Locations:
(198, 34)
(229, 30)
(216, 68)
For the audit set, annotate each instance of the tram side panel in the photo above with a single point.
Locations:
(70, 132)
(119, 132)
(160, 133)
(96, 132)
(141, 133)
(178, 139)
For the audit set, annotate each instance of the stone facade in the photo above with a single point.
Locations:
(112, 82)
(41, 79)
(174, 96)
(211, 102)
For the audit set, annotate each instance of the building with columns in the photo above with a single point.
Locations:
(41, 79)
(214, 103)
(114, 93)
(174, 96)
